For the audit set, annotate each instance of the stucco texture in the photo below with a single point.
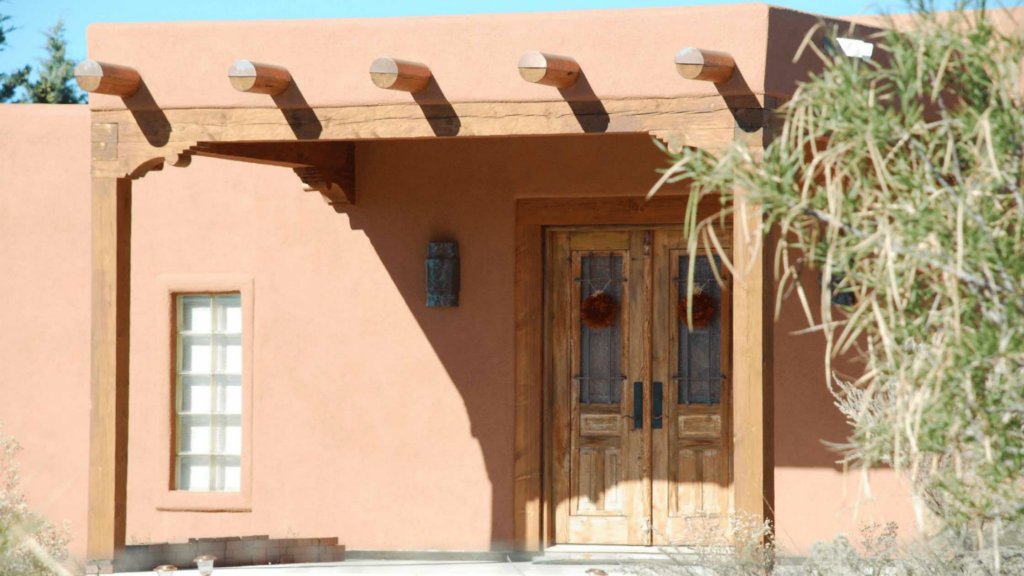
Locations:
(375, 419)
(472, 58)
(44, 305)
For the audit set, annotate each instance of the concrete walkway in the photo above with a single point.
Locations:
(409, 568)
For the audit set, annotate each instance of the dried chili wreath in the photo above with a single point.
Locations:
(703, 309)
(598, 311)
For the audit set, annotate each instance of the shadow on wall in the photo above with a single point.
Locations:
(805, 411)
(412, 192)
(475, 341)
(482, 179)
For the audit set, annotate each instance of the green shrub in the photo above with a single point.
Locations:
(29, 545)
(901, 179)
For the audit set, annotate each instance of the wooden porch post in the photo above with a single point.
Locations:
(528, 518)
(753, 404)
(108, 416)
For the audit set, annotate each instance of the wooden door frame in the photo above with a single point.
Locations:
(533, 523)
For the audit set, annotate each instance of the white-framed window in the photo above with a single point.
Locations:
(208, 392)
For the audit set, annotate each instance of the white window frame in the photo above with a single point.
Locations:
(160, 435)
(215, 458)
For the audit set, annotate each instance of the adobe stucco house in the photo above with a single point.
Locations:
(264, 362)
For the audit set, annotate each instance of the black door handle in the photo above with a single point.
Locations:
(638, 405)
(656, 418)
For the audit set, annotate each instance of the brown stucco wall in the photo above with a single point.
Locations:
(375, 419)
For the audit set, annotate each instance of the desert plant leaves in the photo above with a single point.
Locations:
(907, 181)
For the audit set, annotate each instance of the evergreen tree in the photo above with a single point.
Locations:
(55, 74)
(5, 28)
(10, 82)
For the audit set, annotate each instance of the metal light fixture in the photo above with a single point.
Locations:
(855, 48)
(442, 274)
(165, 570)
(205, 564)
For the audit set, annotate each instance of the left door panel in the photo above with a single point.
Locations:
(599, 294)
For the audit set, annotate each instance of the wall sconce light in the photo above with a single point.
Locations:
(205, 564)
(442, 274)
(165, 570)
(839, 297)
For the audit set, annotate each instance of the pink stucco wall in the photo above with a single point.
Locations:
(44, 304)
(375, 419)
(623, 53)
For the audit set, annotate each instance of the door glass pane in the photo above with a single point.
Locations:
(700, 351)
(600, 375)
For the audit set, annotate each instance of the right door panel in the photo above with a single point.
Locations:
(692, 456)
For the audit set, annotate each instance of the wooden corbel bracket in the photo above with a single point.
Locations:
(672, 139)
(335, 186)
(111, 159)
(324, 167)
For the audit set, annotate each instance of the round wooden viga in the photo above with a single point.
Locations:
(549, 69)
(258, 78)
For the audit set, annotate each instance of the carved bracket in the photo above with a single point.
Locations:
(672, 139)
(324, 167)
(335, 190)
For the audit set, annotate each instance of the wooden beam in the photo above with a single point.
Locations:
(549, 69)
(284, 154)
(108, 416)
(324, 167)
(393, 74)
(529, 289)
(257, 78)
(752, 369)
(700, 123)
(622, 210)
(707, 65)
(337, 183)
(103, 78)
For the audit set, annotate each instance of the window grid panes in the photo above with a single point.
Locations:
(208, 402)
(601, 349)
(700, 350)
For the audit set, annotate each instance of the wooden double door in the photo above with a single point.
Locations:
(640, 449)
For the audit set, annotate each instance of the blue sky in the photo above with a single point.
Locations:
(25, 45)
